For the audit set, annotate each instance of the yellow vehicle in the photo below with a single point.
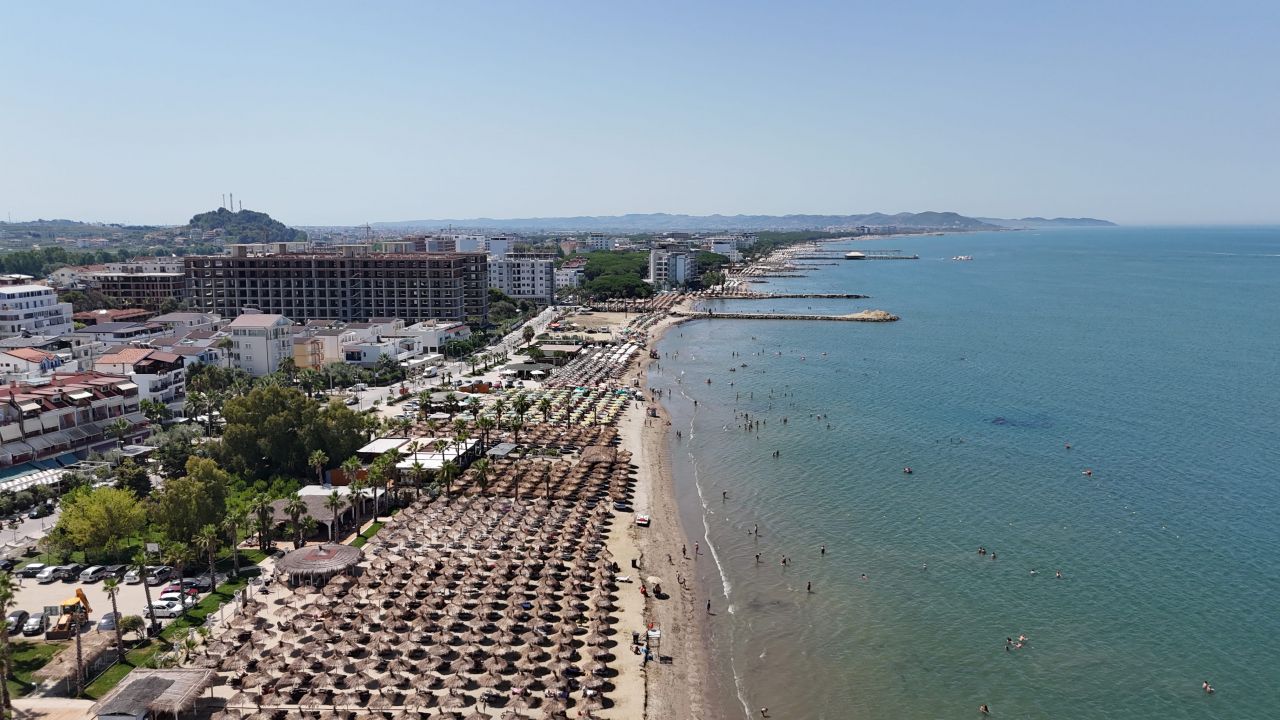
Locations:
(69, 615)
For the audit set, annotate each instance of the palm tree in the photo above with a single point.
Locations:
(264, 514)
(318, 460)
(120, 428)
(448, 473)
(140, 565)
(207, 540)
(295, 508)
(419, 473)
(357, 487)
(225, 345)
(112, 586)
(460, 438)
(521, 405)
(484, 424)
(481, 468)
(515, 426)
(8, 598)
(155, 410)
(499, 406)
(334, 503)
(544, 406)
(234, 520)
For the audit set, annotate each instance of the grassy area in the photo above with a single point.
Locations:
(363, 537)
(28, 657)
(144, 654)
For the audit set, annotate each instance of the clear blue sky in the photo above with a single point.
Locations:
(341, 113)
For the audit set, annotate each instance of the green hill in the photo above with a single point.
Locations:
(246, 226)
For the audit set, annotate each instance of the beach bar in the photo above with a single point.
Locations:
(314, 565)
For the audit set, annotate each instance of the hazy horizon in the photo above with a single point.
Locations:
(322, 115)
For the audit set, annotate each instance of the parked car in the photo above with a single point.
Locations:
(35, 625)
(71, 573)
(177, 597)
(133, 577)
(93, 574)
(203, 583)
(185, 587)
(48, 574)
(8, 564)
(116, 571)
(157, 575)
(16, 620)
(39, 511)
(32, 570)
(162, 609)
(108, 622)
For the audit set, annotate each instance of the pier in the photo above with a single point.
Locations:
(873, 316)
(879, 255)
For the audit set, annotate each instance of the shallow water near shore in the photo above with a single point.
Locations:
(1154, 352)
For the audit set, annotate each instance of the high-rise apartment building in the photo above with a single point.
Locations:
(351, 284)
(524, 276)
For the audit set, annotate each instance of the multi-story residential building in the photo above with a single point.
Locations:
(27, 364)
(75, 275)
(65, 417)
(350, 284)
(524, 276)
(160, 376)
(33, 310)
(187, 320)
(598, 241)
(570, 274)
(259, 341)
(118, 333)
(670, 264)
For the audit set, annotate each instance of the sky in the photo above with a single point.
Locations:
(343, 113)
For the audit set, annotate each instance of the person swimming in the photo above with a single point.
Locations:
(1057, 574)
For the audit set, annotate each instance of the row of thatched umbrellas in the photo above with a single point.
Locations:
(481, 605)
(594, 367)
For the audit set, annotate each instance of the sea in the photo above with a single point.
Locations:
(1102, 402)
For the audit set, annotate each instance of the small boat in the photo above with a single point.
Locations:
(963, 257)
(906, 470)
(855, 255)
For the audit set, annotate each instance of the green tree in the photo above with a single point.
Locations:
(155, 410)
(130, 476)
(140, 565)
(485, 425)
(481, 470)
(273, 431)
(544, 406)
(199, 498)
(133, 624)
(100, 518)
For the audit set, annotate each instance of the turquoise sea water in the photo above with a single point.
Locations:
(1154, 352)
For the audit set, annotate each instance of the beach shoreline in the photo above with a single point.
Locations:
(681, 688)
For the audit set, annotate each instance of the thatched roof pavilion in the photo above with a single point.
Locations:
(316, 564)
(145, 693)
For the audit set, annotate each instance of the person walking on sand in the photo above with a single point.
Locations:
(683, 552)
(708, 607)
(808, 587)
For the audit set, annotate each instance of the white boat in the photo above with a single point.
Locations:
(855, 255)
(962, 257)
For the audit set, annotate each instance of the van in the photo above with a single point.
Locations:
(359, 387)
(48, 574)
(93, 574)
(431, 371)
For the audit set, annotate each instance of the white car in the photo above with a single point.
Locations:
(163, 609)
(177, 597)
(132, 577)
(48, 575)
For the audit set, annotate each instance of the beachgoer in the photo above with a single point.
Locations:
(764, 712)
(984, 709)
(1057, 574)
(808, 587)
(708, 607)
(724, 495)
(683, 553)
(1033, 571)
(822, 550)
(757, 557)
(993, 555)
(864, 576)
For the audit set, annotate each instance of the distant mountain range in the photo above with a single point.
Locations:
(661, 222)
(1039, 222)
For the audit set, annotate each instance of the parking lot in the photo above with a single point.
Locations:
(34, 597)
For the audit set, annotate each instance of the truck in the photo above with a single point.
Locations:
(67, 617)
